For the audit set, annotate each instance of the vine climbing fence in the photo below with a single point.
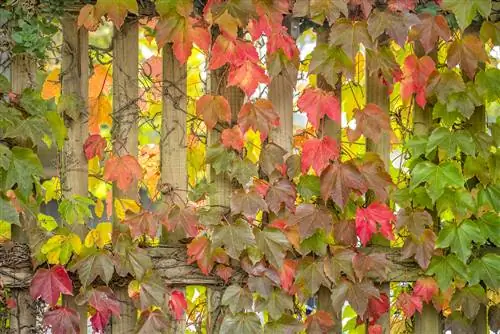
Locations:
(398, 122)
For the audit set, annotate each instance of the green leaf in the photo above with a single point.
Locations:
(316, 243)
(459, 238)
(75, 209)
(32, 102)
(450, 141)
(220, 158)
(274, 244)
(486, 269)
(308, 187)
(328, 61)
(458, 202)
(59, 130)
(4, 82)
(241, 323)
(47, 222)
(276, 304)
(488, 83)
(476, 166)
(5, 157)
(8, 213)
(465, 11)
(92, 264)
(201, 190)
(9, 117)
(437, 177)
(469, 300)
(286, 324)
(234, 237)
(35, 128)
(237, 298)
(417, 145)
(243, 170)
(310, 276)
(490, 196)
(24, 168)
(490, 227)
(446, 268)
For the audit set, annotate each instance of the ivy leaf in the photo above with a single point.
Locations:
(490, 227)
(144, 223)
(341, 262)
(131, 260)
(152, 322)
(459, 238)
(184, 218)
(35, 128)
(59, 248)
(62, 320)
(103, 300)
(420, 247)
(310, 276)
(318, 11)
(414, 220)
(248, 203)
(357, 294)
(50, 283)
(235, 238)
(281, 192)
(8, 213)
(237, 298)
(445, 84)
(317, 103)
(276, 304)
(449, 142)
(372, 122)
(243, 170)
(213, 109)
(486, 269)
(258, 116)
(425, 288)
(375, 265)
(466, 11)
(247, 76)
(467, 52)
(487, 83)
(286, 324)
(376, 217)
(244, 323)
(319, 322)
(437, 177)
(125, 170)
(308, 187)
(416, 73)
(274, 244)
(92, 264)
(310, 218)
(75, 209)
(317, 153)
(116, 10)
(23, 169)
(469, 300)
(329, 61)
(220, 158)
(338, 180)
(377, 179)
(94, 147)
(177, 304)
(409, 304)
(233, 138)
(151, 292)
(349, 35)
(396, 25)
(489, 196)
(430, 29)
(446, 268)
(199, 250)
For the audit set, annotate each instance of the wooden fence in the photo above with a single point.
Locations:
(170, 258)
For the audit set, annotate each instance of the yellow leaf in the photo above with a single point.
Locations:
(52, 85)
(52, 189)
(99, 236)
(124, 205)
(47, 222)
(100, 113)
(253, 145)
(99, 208)
(59, 248)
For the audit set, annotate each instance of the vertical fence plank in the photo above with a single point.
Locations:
(378, 94)
(173, 141)
(74, 69)
(22, 319)
(331, 129)
(217, 86)
(125, 136)
(281, 95)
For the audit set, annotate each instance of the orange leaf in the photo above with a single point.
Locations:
(52, 85)
(247, 77)
(100, 81)
(214, 109)
(124, 170)
(87, 18)
(233, 138)
(100, 113)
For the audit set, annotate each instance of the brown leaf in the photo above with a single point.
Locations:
(281, 192)
(247, 203)
(414, 220)
(467, 52)
(420, 248)
(339, 179)
(309, 218)
(430, 29)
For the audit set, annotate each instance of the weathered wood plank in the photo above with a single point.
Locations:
(125, 136)
(281, 91)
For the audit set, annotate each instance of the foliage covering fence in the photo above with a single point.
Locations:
(317, 166)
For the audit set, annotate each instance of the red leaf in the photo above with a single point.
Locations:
(233, 138)
(184, 218)
(317, 153)
(368, 221)
(177, 304)
(11, 303)
(430, 29)
(402, 6)
(339, 179)
(317, 103)
(102, 299)
(125, 170)
(141, 224)
(232, 51)
(365, 5)
(377, 179)
(309, 218)
(409, 304)
(376, 328)
(416, 73)
(214, 109)
(425, 288)
(259, 116)
(247, 76)
(94, 147)
(199, 250)
(372, 122)
(62, 320)
(281, 192)
(287, 275)
(99, 321)
(281, 40)
(224, 272)
(377, 307)
(319, 322)
(50, 283)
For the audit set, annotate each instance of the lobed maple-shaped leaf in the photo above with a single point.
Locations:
(235, 238)
(349, 35)
(467, 52)
(401, 5)
(416, 73)
(233, 138)
(320, 10)
(421, 248)
(310, 276)
(330, 61)
(62, 320)
(258, 116)
(409, 304)
(276, 304)
(232, 51)
(87, 18)
(376, 308)
(50, 283)
(377, 178)
(224, 272)
(177, 304)
(396, 25)
(466, 11)
(309, 218)
(356, 293)
(213, 109)
(319, 322)
(182, 32)
(317, 153)
(382, 63)
(125, 170)
(317, 103)
(129, 258)
(199, 250)
(425, 288)
(105, 304)
(469, 300)
(244, 323)
(94, 147)
(414, 220)
(375, 265)
(287, 274)
(274, 244)
(116, 10)
(459, 237)
(152, 322)
(377, 217)
(247, 76)
(144, 223)
(430, 29)
(281, 192)
(237, 298)
(372, 122)
(94, 263)
(339, 264)
(247, 203)
(486, 269)
(446, 268)
(184, 218)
